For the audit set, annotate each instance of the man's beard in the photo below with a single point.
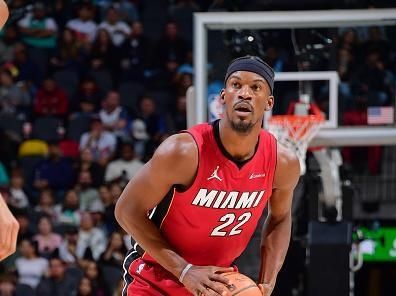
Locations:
(242, 127)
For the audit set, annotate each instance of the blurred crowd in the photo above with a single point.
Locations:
(86, 96)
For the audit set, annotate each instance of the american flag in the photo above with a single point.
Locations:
(380, 115)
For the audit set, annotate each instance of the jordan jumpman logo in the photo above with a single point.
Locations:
(215, 175)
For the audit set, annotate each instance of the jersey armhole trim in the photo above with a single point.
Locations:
(275, 143)
(178, 187)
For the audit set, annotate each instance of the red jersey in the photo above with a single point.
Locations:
(212, 221)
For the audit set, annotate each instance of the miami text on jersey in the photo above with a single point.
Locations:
(227, 199)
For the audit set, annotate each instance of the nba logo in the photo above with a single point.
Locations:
(215, 107)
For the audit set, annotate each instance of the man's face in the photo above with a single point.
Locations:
(112, 100)
(127, 153)
(57, 269)
(246, 97)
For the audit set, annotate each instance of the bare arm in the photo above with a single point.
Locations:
(174, 162)
(8, 230)
(277, 228)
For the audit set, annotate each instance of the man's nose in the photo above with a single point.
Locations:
(245, 93)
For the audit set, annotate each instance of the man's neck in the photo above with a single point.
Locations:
(240, 146)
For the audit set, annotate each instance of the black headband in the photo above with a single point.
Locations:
(252, 64)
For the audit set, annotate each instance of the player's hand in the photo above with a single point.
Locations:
(207, 280)
(265, 289)
(8, 230)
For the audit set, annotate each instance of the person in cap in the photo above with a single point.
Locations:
(205, 190)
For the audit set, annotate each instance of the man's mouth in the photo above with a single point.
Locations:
(243, 109)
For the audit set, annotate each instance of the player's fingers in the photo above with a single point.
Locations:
(223, 269)
(216, 289)
(219, 278)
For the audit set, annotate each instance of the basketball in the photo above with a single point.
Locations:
(3, 13)
(241, 285)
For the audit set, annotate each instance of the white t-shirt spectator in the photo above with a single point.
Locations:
(86, 31)
(118, 31)
(115, 168)
(95, 239)
(104, 146)
(30, 271)
(111, 118)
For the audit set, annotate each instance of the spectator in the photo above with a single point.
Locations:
(113, 116)
(101, 143)
(46, 204)
(7, 284)
(68, 213)
(18, 9)
(85, 287)
(14, 97)
(27, 71)
(155, 123)
(170, 53)
(30, 267)
(55, 172)
(377, 43)
(25, 227)
(51, 100)
(124, 168)
(372, 78)
(183, 79)
(88, 195)
(117, 29)
(4, 179)
(87, 99)
(68, 248)
(128, 11)
(115, 190)
(108, 202)
(59, 282)
(182, 13)
(7, 44)
(104, 55)
(17, 195)
(39, 30)
(87, 163)
(135, 53)
(115, 251)
(68, 55)
(350, 42)
(47, 240)
(84, 26)
(93, 273)
(180, 114)
(140, 137)
(90, 238)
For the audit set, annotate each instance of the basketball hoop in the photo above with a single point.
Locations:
(295, 132)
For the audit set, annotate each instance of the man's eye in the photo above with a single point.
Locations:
(256, 87)
(235, 84)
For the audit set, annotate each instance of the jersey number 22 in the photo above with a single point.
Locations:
(229, 219)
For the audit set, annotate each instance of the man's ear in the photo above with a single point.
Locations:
(270, 103)
(222, 96)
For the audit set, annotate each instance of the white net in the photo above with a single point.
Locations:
(295, 132)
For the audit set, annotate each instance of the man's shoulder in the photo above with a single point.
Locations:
(178, 149)
(286, 156)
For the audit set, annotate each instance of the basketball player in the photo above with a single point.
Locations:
(209, 186)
